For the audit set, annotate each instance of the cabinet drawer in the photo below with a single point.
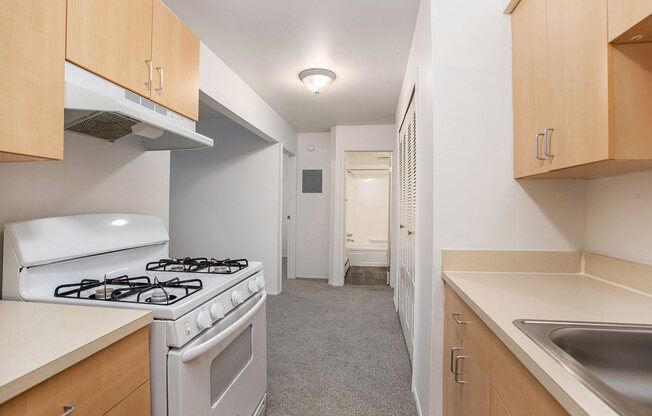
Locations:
(94, 385)
(474, 331)
(521, 393)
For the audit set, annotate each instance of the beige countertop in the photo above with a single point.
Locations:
(40, 340)
(499, 298)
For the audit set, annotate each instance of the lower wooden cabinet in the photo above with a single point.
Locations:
(481, 376)
(113, 381)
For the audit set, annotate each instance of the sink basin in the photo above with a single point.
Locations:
(613, 360)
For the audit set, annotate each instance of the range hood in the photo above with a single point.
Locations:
(99, 108)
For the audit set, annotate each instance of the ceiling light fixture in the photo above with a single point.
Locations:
(317, 79)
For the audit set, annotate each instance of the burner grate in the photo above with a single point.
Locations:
(198, 265)
(119, 289)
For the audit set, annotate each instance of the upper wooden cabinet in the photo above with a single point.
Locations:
(175, 53)
(581, 105)
(629, 19)
(112, 38)
(140, 45)
(33, 35)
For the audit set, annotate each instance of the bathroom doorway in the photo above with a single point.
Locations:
(368, 194)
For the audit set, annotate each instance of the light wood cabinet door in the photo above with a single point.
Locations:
(175, 53)
(119, 369)
(113, 39)
(529, 81)
(625, 14)
(451, 389)
(497, 406)
(136, 404)
(520, 391)
(33, 36)
(578, 106)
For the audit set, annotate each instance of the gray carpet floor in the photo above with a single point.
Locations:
(336, 351)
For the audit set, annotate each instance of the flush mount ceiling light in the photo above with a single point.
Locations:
(317, 79)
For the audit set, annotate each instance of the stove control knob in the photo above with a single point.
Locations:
(253, 286)
(261, 281)
(217, 311)
(237, 298)
(204, 320)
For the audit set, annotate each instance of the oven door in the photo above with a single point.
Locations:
(224, 370)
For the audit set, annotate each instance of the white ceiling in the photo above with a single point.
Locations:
(268, 42)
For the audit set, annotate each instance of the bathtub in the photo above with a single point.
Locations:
(371, 254)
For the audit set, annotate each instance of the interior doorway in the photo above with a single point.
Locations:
(367, 213)
(288, 216)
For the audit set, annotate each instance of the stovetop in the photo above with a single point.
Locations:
(198, 265)
(174, 293)
(141, 289)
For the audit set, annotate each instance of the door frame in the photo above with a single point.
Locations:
(338, 203)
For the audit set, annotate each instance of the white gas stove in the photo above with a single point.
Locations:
(207, 341)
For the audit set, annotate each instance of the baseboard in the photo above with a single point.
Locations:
(311, 276)
(416, 402)
(274, 293)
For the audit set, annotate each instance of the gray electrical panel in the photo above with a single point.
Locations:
(311, 182)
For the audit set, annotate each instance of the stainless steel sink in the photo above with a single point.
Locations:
(613, 360)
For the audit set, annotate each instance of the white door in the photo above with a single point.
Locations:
(407, 215)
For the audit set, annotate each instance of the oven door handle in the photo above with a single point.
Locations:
(196, 351)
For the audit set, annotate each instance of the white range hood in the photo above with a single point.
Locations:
(99, 108)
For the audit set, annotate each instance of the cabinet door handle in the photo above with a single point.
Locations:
(536, 142)
(455, 315)
(410, 233)
(401, 226)
(457, 372)
(545, 142)
(451, 360)
(149, 64)
(68, 409)
(160, 69)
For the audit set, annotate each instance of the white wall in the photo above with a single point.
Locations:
(418, 76)
(477, 203)
(619, 217)
(380, 137)
(95, 176)
(313, 209)
(225, 91)
(226, 201)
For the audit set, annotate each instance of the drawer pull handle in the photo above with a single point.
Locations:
(457, 372)
(545, 142)
(68, 409)
(160, 70)
(455, 315)
(452, 352)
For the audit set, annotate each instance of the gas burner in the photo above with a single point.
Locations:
(160, 296)
(131, 290)
(103, 293)
(198, 265)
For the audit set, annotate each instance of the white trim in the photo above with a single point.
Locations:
(279, 230)
(312, 276)
(416, 401)
(272, 292)
(292, 224)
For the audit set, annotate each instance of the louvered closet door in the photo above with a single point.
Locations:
(407, 215)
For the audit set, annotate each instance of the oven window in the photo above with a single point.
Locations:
(227, 366)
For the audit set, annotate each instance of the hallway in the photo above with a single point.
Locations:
(336, 351)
